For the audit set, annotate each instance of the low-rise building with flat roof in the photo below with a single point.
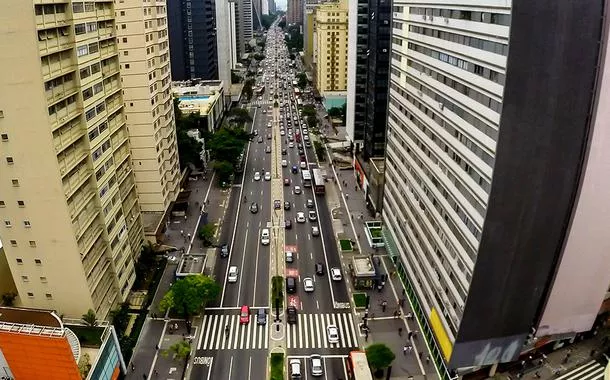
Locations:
(206, 98)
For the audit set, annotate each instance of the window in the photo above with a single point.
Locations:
(25, 279)
(43, 279)
(127, 65)
(80, 29)
(21, 203)
(32, 243)
(123, 26)
(49, 296)
(122, 13)
(125, 52)
(27, 224)
(14, 243)
(19, 261)
(125, 39)
(4, 137)
(7, 224)
(38, 261)
(82, 50)
(15, 182)
(9, 160)
(2, 204)
(30, 294)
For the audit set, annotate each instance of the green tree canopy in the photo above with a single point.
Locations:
(238, 116)
(247, 90)
(379, 356)
(178, 350)
(312, 122)
(308, 110)
(188, 295)
(224, 170)
(227, 144)
(302, 80)
(89, 318)
(206, 233)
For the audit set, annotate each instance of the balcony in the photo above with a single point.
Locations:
(54, 20)
(115, 122)
(111, 85)
(106, 32)
(121, 154)
(100, 268)
(102, 286)
(109, 68)
(113, 104)
(68, 160)
(54, 45)
(85, 218)
(57, 68)
(126, 187)
(91, 258)
(122, 172)
(67, 135)
(81, 198)
(108, 51)
(119, 138)
(62, 91)
(86, 241)
(76, 179)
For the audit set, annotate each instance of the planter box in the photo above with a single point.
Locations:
(372, 231)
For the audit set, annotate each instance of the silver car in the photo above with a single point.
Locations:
(316, 365)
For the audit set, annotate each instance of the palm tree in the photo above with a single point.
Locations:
(90, 319)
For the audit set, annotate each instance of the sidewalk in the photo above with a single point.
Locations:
(155, 332)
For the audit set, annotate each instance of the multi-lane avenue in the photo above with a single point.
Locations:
(229, 345)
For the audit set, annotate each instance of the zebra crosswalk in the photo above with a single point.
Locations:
(589, 371)
(240, 337)
(310, 331)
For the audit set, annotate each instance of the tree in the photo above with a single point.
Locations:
(247, 89)
(239, 116)
(8, 299)
(189, 149)
(89, 318)
(235, 78)
(189, 294)
(334, 112)
(179, 350)
(227, 144)
(282, 24)
(206, 233)
(379, 356)
(120, 318)
(224, 170)
(308, 110)
(312, 122)
(302, 80)
(267, 20)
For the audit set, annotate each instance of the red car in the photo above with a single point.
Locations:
(244, 315)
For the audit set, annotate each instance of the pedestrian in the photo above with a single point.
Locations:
(421, 354)
(185, 216)
(156, 372)
(181, 232)
(427, 359)
(366, 335)
(404, 350)
(396, 314)
(537, 374)
(400, 331)
(188, 236)
(346, 196)
(175, 326)
(383, 305)
(144, 376)
(401, 302)
(410, 334)
(133, 367)
(157, 347)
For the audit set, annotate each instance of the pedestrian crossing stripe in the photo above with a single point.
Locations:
(590, 371)
(310, 331)
(240, 337)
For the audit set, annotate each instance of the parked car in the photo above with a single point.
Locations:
(224, 250)
(316, 365)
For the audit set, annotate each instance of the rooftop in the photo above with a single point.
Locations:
(193, 263)
(363, 266)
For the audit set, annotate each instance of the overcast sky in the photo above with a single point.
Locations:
(280, 4)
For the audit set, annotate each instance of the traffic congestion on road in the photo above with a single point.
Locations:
(319, 330)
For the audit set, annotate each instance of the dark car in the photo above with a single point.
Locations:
(261, 317)
(286, 181)
(260, 139)
(224, 250)
(288, 224)
(319, 269)
(294, 169)
(291, 284)
(284, 152)
(286, 205)
(291, 315)
(254, 207)
(277, 204)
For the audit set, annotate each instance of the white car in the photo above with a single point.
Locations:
(335, 274)
(297, 189)
(316, 365)
(282, 133)
(308, 284)
(315, 231)
(303, 165)
(257, 176)
(301, 217)
(332, 334)
(284, 163)
(233, 271)
(291, 145)
(265, 237)
(267, 176)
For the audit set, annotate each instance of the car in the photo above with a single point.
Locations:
(256, 132)
(264, 111)
(268, 176)
(289, 255)
(291, 315)
(297, 189)
(316, 365)
(308, 284)
(319, 267)
(294, 169)
(284, 152)
(268, 149)
(286, 205)
(287, 224)
(303, 165)
(284, 163)
(224, 250)
(295, 368)
(300, 217)
(291, 284)
(269, 135)
(332, 334)
(244, 315)
(291, 139)
(305, 138)
(310, 203)
(312, 216)
(286, 181)
(277, 204)
(282, 132)
(308, 144)
(315, 231)
(260, 139)
(265, 237)
(335, 274)
(261, 317)
(233, 272)
(254, 207)
(257, 176)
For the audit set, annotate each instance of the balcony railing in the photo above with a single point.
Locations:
(54, 20)
(76, 180)
(66, 137)
(86, 241)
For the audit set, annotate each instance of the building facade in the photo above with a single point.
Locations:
(357, 67)
(71, 215)
(192, 35)
(294, 12)
(331, 47)
(146, 77)
(480, 208)
(226, 42)
(243, 26)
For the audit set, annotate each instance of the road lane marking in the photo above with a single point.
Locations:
(230, 367)
(243, 258)
(255, 273)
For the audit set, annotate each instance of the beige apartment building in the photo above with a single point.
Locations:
(330, 44)
(71, 224)
(145, 72)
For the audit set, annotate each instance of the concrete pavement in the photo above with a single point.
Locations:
(146, 360)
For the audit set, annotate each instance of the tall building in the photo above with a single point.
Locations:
(226, 41)
(331, 47)
(243, 26)
(294, 12)
(496, 187)
(308, 31)
(71, 216)
(146, 77)
(192, 35)
(38, 344)
(272, 6)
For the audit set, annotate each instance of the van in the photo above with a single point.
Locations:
(291, 284)
(265, 236)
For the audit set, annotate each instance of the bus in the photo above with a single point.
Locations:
(358, 366)
(318, 181)
(306, 176)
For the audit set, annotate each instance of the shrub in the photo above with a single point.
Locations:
(277, 367)
(359, 299)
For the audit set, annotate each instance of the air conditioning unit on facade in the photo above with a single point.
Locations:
(441, 106)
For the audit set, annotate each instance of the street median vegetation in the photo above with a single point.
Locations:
(277, 290)
(277, 366)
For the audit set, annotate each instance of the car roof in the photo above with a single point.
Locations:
(245, 307)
